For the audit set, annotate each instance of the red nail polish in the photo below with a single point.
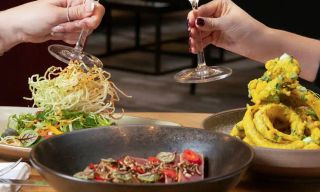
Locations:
(200, 22)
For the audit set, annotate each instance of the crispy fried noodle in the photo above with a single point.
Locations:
(76, 87)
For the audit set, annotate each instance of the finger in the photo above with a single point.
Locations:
(70, 38)
(93, 21)
(75, 2)
(207, 40)
(195, 33)
(209, 9)
(81, 11)
(68, 27)
(196, 46)
(65, 3)
(191, 19)
(208, 24)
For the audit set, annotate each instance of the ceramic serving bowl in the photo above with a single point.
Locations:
(277, 162)
(58, 158)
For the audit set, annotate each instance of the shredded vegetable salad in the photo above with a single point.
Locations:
(25, 130)
(68, 99)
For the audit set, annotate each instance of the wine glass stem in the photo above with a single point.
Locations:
(81, 40)
(200, 54)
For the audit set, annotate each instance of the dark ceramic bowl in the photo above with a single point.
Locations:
(58, 158)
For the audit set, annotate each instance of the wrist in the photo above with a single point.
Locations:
(10, 34)
(264, 44)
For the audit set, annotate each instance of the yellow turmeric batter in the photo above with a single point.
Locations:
(285, 115)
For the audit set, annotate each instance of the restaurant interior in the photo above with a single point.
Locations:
(143, 44)
(143, 65)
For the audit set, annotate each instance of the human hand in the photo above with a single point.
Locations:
(43, 20)
(223, 24)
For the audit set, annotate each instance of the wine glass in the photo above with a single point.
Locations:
(66, 53)
(202, 73)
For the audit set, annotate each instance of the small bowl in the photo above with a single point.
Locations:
(58, 158)
(277, 162)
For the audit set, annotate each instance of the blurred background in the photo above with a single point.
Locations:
(143, 43)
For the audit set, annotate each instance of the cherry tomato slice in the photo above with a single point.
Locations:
(192, 156)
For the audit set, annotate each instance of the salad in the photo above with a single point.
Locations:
(25, 130)
(73, 98)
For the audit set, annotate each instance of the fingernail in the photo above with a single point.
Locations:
(57, 29)
(200, 22)
(89, 6)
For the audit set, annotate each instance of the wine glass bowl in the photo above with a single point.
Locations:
(202, 73)
(66, 53)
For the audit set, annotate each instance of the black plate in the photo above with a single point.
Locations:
(58, 158)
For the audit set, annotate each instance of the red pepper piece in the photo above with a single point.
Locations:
(170, 173)
(154, 160)
(91, 166)
(192, 156)
(138, 169)
(98, 178)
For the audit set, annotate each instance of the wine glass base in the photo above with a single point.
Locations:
(66, 53)
(211, 73)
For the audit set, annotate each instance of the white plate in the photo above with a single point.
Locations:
(8, 151)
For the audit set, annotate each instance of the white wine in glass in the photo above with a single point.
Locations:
(202, 73)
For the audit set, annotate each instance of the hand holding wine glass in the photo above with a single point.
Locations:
(40, 21)
(66, 53)
(202, 73)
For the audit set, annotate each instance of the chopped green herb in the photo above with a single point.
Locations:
(149, 177)
(265, 78)
(166, 157)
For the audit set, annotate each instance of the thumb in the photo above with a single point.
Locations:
(208, 24)
(81, 11)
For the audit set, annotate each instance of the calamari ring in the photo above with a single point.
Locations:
(281, 116)
(259, 138)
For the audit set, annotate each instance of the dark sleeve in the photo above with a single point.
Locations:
(317, 81)
(315, 86)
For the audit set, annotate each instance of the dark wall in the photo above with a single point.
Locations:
(19, 63)
(301, 17)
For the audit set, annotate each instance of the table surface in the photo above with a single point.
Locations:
(249, 183)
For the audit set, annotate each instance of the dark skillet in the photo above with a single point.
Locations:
(58, 158)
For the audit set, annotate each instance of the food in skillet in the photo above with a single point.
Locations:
(68, 99)
(285, 114)
(165, 167)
